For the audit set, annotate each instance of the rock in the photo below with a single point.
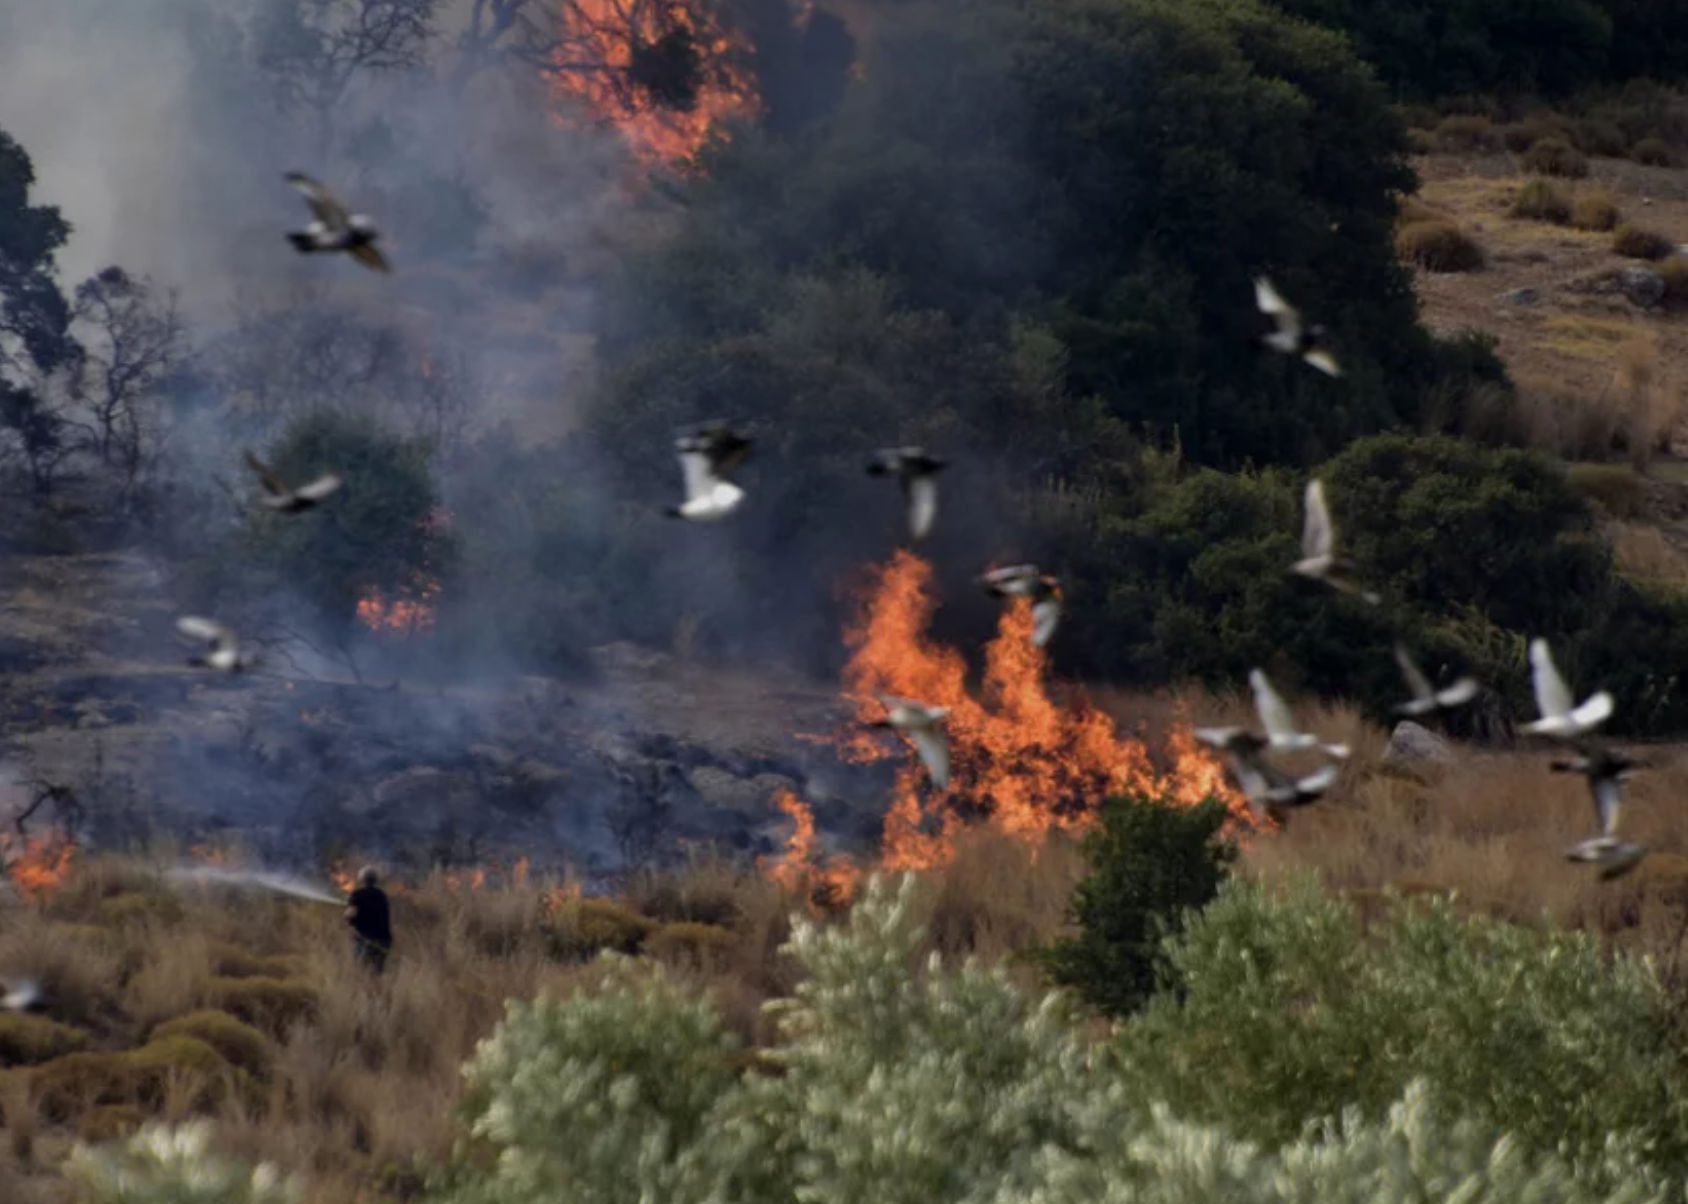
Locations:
(1643, 286)
(1522, 296)
(1414, 748)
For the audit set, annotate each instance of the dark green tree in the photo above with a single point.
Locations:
(1151, 861)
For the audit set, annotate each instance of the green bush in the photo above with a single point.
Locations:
(1555, 157)
(1150, 861)
(238, 1043)
(1653, 152)
(271, 1004)
(1438, 246)
(1595, 211)
(25, 1040)
(1635, 242)
(1540, 201)
(69, 1086)
(1289, 1004)
(583, 927)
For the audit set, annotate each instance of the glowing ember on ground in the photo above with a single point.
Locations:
(1019, 760)
(799, 871)
(665, 74)
(399, 615)
(36, 866)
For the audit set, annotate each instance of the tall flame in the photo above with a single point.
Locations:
(1019, 760)
(799, 870)
(616, 56)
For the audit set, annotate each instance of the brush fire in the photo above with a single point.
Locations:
(666, 75)
(36, 866)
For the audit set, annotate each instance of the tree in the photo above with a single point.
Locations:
(35, 336)
(1150, 862)
(313, 50)
(133, 339)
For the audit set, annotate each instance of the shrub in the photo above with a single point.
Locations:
(1653, 152)
(1600, 137)
(110, 1122)
(1555, 157)
(238, 1043)
(1522, 135)
(1422, 142)
(691, 943)
(231, 961)
(1288, 1005)
(1540, 201)
(583, 927)
(1615, 488)
(68, 1086)
(26, 1040)
(1595, 211)
(271, 1004)
(1466, 132)
(1675, 272)
(1635, 242)
(1438, 246)
(1150, 861)
(161, 1165)
(135, 907)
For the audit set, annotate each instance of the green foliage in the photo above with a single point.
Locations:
(1542, 202)
(1438, 246)
(1291, 1004)
(1150, 861)
(162, 1165)
(905, 1084)
(378, 533)
(238, 1043)
(25, 1040)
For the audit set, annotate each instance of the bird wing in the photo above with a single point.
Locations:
(1216, 737)
(922, 492)
(197, 628)
(20, 996)
(272, 484)
(1553, 696)
(1597, 709)
(1319, 781)
(1274, 712)
(1608, 797)
(320, 488)
(327, 210)
(1458, 694)
(370, 256)
(1417, 683)
(1324, 361)
(933, 748)
(1318, 539)
(694, 467)
(1046, 615)
(1272, 302)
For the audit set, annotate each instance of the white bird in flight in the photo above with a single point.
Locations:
(1606, 772)
(1561, 718)
(223, 651)
(278, 495)
(1279, 722)
(1319, 559)
(334, 229)
(20, 995)
(1041, 589)
(1293, 336)
(916, 470)
(923, 724)
(1425, 697)
(707, 454)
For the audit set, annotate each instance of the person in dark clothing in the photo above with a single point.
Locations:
(370, 920)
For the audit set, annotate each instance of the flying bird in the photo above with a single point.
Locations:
(1041, 589)
(222, 647)
(916, 470)
(279, 496)
(20, 995)
(1266, 787)
(922, 724)
(1293, 336)
(1279, 722)
(1318, 548)
(1606, 772)
(1560, 717)
(708, 453)
(1425, 697)
(334, 229)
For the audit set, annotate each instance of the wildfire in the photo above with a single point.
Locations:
(665, 74)
(399, 614)
(799, 871)
(1019, 760)
(36, 866)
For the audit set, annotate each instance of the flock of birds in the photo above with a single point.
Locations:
(711, 452)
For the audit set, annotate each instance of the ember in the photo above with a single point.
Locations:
(399, 614)
(1020, 761)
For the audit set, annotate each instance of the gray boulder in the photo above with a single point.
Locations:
(1643, 286)
(1415, 749)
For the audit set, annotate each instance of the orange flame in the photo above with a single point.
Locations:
(799, 871)
(599, 63)
(1019, 760)
(399, 614)
(36, 866)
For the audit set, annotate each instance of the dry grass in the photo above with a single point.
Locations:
(1541, 202)
(1438, 246)
(1595, 211)
(1644, 554)
(1555, 157)
(1636, 242)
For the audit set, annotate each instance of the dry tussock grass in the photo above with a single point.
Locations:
(1644, 554)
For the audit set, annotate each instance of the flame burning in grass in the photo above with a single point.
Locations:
(799, 871)
(36, 866)
(399, 614)
(665, 74)
(1020, 761)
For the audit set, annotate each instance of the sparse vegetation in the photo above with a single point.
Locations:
(1637, 242)
(1439, 246)
(1465, 132)
(1539, 201)
(1653, 152)
(1596, 211)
